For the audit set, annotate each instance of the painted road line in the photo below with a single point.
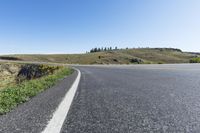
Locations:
(55, 124)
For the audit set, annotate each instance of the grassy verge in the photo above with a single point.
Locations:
(12, 96)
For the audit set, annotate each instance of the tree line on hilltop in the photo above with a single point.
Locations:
(93, 50)
(103, 49)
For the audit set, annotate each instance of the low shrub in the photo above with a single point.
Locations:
(9, 58)
(195, 60)
(136, 60)
(33, 71)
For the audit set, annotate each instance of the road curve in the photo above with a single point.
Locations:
(129, 99)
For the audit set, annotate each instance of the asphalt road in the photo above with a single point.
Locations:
(118, 99)
(141, 98)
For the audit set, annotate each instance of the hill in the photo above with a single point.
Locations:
(122, 56)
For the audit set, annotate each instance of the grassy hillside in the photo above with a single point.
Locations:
(124, 56)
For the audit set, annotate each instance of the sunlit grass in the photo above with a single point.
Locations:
(121, 56)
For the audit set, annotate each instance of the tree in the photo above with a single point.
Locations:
(92, 50)
(95, 49)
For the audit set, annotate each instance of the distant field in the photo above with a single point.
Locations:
(123, 56)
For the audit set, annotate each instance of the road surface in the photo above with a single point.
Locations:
(129, 99)
(118, 99)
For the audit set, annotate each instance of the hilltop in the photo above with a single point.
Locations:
(119, 56)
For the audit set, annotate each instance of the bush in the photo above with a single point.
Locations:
(115, 60)
(33, 71)
(136, 60)
(9, 58)
(195, 60)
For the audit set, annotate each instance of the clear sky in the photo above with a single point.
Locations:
(73, 26)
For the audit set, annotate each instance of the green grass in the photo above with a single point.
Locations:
(12, 96)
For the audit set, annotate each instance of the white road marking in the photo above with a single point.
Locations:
(56, 123)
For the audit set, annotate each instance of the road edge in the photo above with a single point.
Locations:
(59, 116)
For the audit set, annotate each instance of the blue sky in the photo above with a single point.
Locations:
(73, 26)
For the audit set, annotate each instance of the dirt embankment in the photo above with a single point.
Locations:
(8, 74)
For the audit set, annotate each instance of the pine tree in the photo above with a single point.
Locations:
(95, 49)
(92, 50)
(99, 50)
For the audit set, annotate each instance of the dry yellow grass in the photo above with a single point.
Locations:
(124, 56)
(8, 73)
